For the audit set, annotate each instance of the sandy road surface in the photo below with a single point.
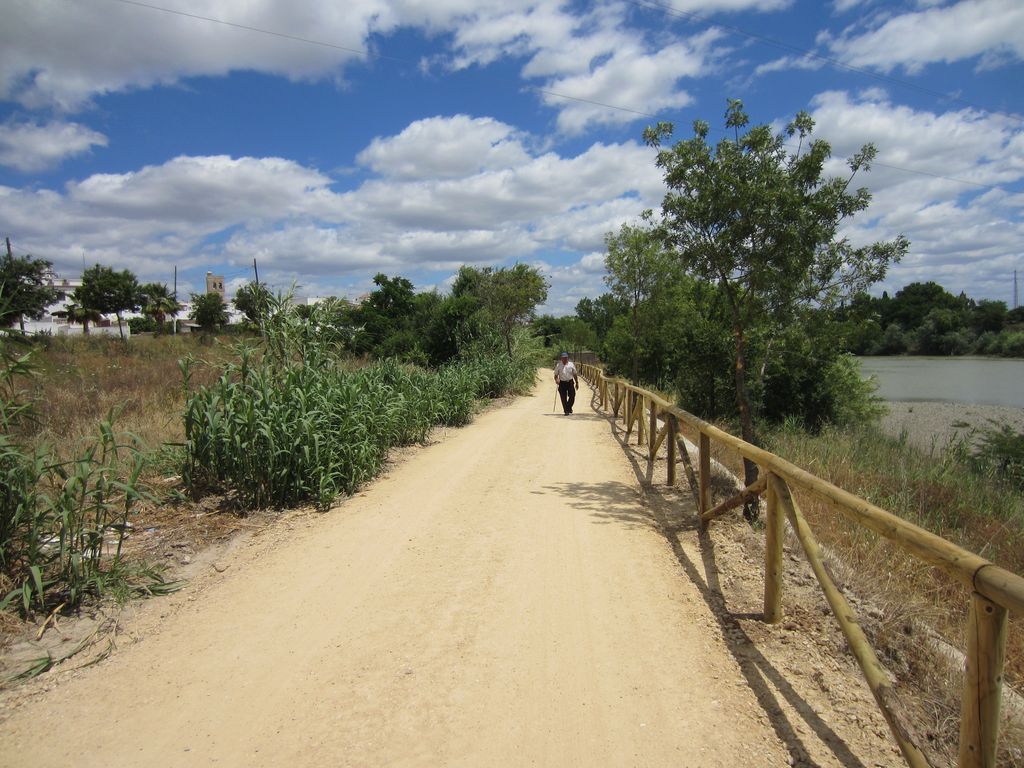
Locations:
(493, 601)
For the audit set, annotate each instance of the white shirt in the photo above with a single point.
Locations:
(566, 371)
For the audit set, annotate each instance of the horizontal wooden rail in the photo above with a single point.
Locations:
(995, 589)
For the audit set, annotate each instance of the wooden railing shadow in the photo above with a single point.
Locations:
(994, 590)
(671, 519)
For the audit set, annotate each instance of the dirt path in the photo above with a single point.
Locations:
(502, 598)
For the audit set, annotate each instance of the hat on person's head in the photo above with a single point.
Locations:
(564, 354)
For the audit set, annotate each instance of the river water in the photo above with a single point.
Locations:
(976, 380)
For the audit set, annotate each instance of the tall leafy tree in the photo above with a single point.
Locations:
(762, 223)
(24, 290)
(641, 271)
(600, 313)
(508, 295)
(209, 311)
(109, 292)
(385, 321)
(253, 301)
(159, 303)
(912, 303)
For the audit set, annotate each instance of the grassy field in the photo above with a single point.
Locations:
(81, 381)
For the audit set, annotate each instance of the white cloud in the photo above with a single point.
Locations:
(588, 61)
(200, 211)
(55, 54)
(963, 235)
(200, 191)
(730, 6)
(445, 147)
(993, 29)
(646, 83)
(542, 186)
(593, 263)
(569, 284)
(788, 62)
(31, 147)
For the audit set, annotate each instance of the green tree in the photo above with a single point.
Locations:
(253, 301)
(913, 302)
(209, 311)
(548, 328)
(576, 335)
(107, 291)
(508, 295)
(763, 225)
(988, 316)
(640, 273)
(600, 313)
(941, 333)
(387, 314)
(159, 303)
(24, 291)
(454, 324)
(80, 315)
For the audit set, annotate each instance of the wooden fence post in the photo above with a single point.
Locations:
(671, 437)
(705, 476)
(983, 683)
(773, 559)
(652, 433)
(641, 426)
(874, 673)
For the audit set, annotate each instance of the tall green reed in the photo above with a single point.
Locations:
(293, 424)
(62, 523)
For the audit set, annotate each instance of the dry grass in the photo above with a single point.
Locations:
(82, 380)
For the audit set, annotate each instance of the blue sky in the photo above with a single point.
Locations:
(334, 140)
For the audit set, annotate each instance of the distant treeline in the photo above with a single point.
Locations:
(679, 339)
(925, 319)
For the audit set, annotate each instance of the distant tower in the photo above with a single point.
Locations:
(1015, 304)
(215, 284)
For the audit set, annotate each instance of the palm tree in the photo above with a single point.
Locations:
(159, 304)
(76, 313)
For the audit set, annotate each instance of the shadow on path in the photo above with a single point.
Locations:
(674, 514)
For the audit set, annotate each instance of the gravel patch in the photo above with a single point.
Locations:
(932, 426)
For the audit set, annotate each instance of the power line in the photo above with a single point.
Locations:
(590, 101)
(934, 175)
(368, 55)
(272, 33)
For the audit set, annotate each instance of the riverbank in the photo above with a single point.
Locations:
(932, 425)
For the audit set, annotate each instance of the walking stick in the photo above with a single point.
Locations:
(556, 401)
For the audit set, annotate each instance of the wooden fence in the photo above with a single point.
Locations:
(994, 590)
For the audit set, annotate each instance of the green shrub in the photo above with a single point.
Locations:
(1000, 454)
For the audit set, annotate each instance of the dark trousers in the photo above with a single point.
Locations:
(567, 393)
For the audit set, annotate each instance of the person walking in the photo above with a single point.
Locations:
(568, 381)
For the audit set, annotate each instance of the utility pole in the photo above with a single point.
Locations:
(257, 273)
(10, 255)
(1015, 304)
(174, 320)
